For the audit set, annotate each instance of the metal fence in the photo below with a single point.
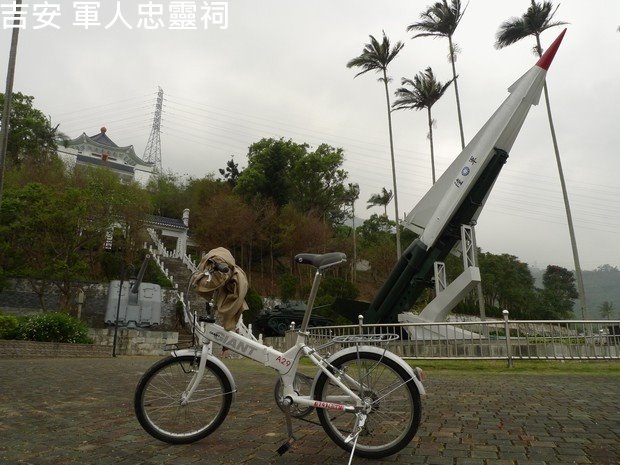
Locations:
(492, 339)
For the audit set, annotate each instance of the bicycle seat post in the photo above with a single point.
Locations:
(315, 287)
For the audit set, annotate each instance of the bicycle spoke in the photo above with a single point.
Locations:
(384, 387)
(159, 406)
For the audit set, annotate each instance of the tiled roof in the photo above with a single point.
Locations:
(103, 139)
(165, 221)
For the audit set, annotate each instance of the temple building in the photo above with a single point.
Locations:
(99, 150)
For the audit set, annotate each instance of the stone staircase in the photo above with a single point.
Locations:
(180, 276)
(179, 270)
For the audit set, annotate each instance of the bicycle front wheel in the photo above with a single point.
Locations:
(393, 397)
(159, 406)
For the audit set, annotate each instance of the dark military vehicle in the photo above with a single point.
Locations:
(276, 321)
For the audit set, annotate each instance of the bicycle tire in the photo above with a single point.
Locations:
(394, 398)
(157, 400)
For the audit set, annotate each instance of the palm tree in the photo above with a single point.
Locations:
(441, 20)
(425, 91)
(383, 198)
(376, 57)
(539, 18)
(351, 194)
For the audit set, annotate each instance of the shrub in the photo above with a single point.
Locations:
(255, 304)
(154, 275)
(254, 300)
(179, 312)
(9, 327)
(55, 327)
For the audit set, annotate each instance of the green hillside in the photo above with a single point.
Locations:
(602, 284)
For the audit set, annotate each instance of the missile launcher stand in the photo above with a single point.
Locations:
(448, 296)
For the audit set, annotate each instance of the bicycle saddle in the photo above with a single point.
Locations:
(321, 261)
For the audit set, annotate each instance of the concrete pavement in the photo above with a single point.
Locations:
(80, 411)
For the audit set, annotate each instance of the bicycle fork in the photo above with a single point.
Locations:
(193, 384)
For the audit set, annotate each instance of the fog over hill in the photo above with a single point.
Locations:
(601, 285)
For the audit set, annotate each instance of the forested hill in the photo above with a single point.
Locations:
(602, 285)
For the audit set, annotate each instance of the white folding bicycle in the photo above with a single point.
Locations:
(367, 398)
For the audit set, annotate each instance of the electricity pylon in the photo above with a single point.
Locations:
(152, 151)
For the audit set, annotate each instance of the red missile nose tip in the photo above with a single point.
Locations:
(547, 57)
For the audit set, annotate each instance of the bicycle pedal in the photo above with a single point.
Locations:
(284, 448)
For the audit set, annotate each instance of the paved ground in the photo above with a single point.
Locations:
(63, 411)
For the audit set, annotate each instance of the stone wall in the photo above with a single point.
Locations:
(33, 349)
(135, 341)
(128, 342)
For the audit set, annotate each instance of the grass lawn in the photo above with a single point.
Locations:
(607, 368)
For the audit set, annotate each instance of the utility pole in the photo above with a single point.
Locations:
(8, 94)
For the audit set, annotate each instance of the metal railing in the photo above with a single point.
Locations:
(493, 339)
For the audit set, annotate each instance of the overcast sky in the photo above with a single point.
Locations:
(277, 69)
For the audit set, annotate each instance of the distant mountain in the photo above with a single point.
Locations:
(600, 286)
(358, 222)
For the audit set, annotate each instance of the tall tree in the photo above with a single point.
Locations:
(441, 20)
(270, 162)
(376, 57)
(285, 172)
(351, 195)
(225, 220)
(377, 245)
(381, 199)
(318, 183)
(231, 172)
(606, 310)
(537, 19)
(556, 299)
(31, 134)
(422, 92)
(507, 284)
(166, 191)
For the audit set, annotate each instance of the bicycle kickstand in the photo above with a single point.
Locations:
(289, 427)
(360, 421)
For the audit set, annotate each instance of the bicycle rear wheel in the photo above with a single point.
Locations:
(395, 408)
(158, 406)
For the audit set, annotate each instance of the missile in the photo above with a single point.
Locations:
(458, 195)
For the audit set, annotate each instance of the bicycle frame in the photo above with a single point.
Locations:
(285, 363)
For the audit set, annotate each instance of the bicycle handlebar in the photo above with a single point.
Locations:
(221, 267)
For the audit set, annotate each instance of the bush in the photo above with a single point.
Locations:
(54, 327)
(255, 304)
(154, 275)
(9, 327)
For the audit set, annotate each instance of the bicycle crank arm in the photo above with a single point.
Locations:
(286, 407)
